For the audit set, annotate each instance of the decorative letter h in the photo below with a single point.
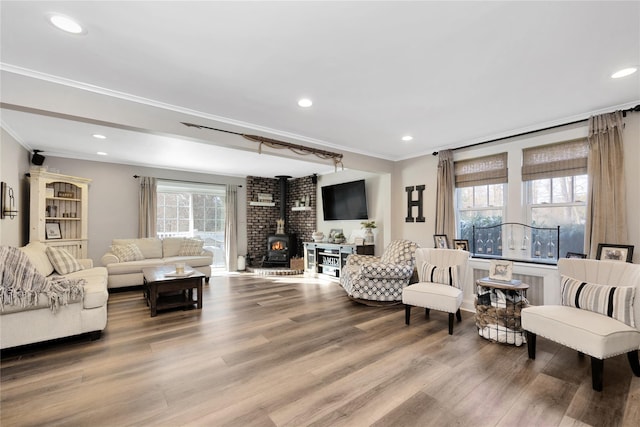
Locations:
(412, 203)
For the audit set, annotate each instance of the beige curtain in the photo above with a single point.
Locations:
(606, 205)
(147, 207)
(231, 229)
(445, 209)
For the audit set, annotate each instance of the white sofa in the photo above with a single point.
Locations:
(124, 272)
(36, 323)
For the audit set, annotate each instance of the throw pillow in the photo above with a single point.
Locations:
(444, 275)
(613, 301)
(37, 254)
(191, 247)
(128, 252)
(63, 262)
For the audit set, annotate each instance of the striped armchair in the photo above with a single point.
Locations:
(382, 278)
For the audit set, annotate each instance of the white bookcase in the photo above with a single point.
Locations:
(59, 207)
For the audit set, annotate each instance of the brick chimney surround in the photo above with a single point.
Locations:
(261, 220)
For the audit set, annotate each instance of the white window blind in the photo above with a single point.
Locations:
(481, 171)
(566, 158)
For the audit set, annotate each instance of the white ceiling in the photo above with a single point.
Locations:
(447, 73)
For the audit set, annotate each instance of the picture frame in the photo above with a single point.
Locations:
(614, 252)
(501, 270)
(576, 255)
(441, 241)
(461, 244)
(52, 230)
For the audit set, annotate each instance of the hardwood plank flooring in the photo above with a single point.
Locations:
(294, 351)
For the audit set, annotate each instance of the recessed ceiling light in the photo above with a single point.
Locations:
(624, 73)
(305, 103)
(65, 23)
(101, 153)
(98, 136)
(407, 138)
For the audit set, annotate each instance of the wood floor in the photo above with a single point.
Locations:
(291, 351)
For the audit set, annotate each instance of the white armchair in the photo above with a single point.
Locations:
(599, 316)
(369, 277)
(442, 275)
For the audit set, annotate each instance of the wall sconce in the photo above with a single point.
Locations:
(7, 202)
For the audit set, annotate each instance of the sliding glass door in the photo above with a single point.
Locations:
(193, 210)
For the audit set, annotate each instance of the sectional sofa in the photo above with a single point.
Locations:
(127, 257)
(34, 319)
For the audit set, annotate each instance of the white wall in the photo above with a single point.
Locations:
(14, 163)
(377, 188)
(113, 198)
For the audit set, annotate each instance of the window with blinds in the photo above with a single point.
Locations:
(481, 171)
(555, 182)
(555, 160)
(480, 193)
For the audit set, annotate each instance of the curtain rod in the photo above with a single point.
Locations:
(182, 180)
(624, 114)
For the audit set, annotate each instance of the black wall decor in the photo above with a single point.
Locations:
(411, 203)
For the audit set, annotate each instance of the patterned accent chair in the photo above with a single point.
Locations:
(368, 277)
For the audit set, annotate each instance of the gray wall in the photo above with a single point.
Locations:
(423, 170)
(14, 163)
(113, 198)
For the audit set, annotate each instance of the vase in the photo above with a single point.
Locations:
(368, 236)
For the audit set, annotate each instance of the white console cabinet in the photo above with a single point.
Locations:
(59, 206)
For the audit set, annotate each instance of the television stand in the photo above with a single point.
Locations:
(328, 259)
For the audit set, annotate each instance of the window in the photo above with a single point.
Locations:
(555, 183)
(193, 210)
(480, 195)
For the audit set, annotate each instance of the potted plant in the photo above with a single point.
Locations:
(368, 234)
(338, 238)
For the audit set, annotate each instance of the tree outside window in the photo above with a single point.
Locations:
(560, 201)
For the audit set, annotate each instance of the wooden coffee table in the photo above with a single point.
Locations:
(162, 291)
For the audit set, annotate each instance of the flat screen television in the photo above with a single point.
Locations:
(345, 201)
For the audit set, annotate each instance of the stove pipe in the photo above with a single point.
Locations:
(283, 198)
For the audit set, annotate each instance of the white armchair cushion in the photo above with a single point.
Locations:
(433, 295)
(588, 332)
(444, 275)
(612, 301)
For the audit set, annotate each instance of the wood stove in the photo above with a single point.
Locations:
(281, 247)
(278, 249)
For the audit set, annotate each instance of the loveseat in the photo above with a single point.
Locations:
(127, 257)
(38, 303)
